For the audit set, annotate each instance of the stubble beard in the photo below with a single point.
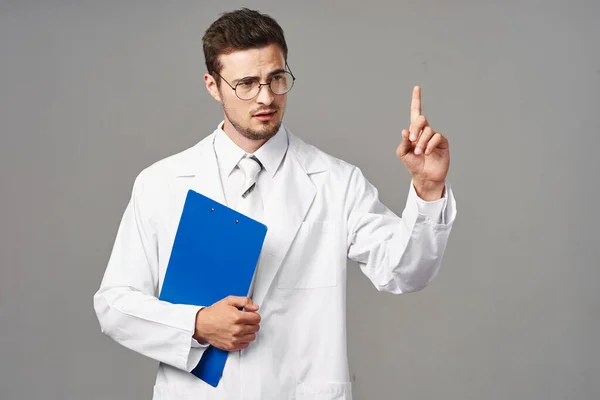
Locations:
(267, 131)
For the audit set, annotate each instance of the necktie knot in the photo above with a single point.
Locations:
(251, 167)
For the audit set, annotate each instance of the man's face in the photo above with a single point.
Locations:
(258, 118)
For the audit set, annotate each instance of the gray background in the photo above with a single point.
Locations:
(91, 92)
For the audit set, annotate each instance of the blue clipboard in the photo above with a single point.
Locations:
(214, 255)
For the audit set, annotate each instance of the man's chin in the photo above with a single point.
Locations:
(262, 132)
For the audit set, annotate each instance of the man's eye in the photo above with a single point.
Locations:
(245, 83)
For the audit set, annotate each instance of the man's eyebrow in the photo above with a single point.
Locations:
(275, 72)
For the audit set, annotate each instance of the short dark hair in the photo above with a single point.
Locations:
(237, 30)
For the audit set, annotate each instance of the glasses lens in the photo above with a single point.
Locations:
(247, 89)
(282, 83)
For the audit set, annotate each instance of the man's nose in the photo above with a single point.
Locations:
(265, 96)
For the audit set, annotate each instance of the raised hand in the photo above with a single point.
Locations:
(424, 152)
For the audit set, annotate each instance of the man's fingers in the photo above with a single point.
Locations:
(244, 329)
(424, 140)
(436, 141)
(251, 306)
(237, 301)
(417, 126)
(240, 344)
(415, 105)
(404, 146)
(242, 302)
(247, 318)
(246, 338)
(236, 347)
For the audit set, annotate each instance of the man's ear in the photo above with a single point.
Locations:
(211, 86)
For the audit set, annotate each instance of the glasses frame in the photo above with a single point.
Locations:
(260, 85)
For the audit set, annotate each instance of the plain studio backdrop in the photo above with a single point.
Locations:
(92, 92)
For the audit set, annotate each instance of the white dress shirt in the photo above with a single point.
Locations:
(270, 155)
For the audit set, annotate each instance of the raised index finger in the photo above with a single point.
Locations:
(415, 105)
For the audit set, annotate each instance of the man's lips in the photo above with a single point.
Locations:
(264, 115)
(268, 112)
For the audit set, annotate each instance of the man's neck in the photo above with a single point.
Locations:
(248, 145)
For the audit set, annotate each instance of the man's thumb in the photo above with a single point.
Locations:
(242, 302)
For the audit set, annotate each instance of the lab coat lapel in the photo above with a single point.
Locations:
(202, 169)
(290, 199)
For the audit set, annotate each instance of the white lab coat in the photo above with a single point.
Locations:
(320, 211)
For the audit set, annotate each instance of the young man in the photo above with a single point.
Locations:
(319, 210)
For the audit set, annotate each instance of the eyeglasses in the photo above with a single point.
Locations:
(248, 88)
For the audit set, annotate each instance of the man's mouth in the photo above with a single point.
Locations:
(265, 115)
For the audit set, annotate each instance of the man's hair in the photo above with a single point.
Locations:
(237, 30)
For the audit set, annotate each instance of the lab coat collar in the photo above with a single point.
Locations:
(201, 159)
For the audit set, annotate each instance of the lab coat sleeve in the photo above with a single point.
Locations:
(398, 254)
(126, 303)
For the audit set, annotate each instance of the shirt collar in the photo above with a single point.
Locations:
(228, 153)
(269, 154)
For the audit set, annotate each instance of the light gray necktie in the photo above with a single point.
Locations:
(250, 203)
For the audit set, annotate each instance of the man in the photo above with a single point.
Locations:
(290, 340)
